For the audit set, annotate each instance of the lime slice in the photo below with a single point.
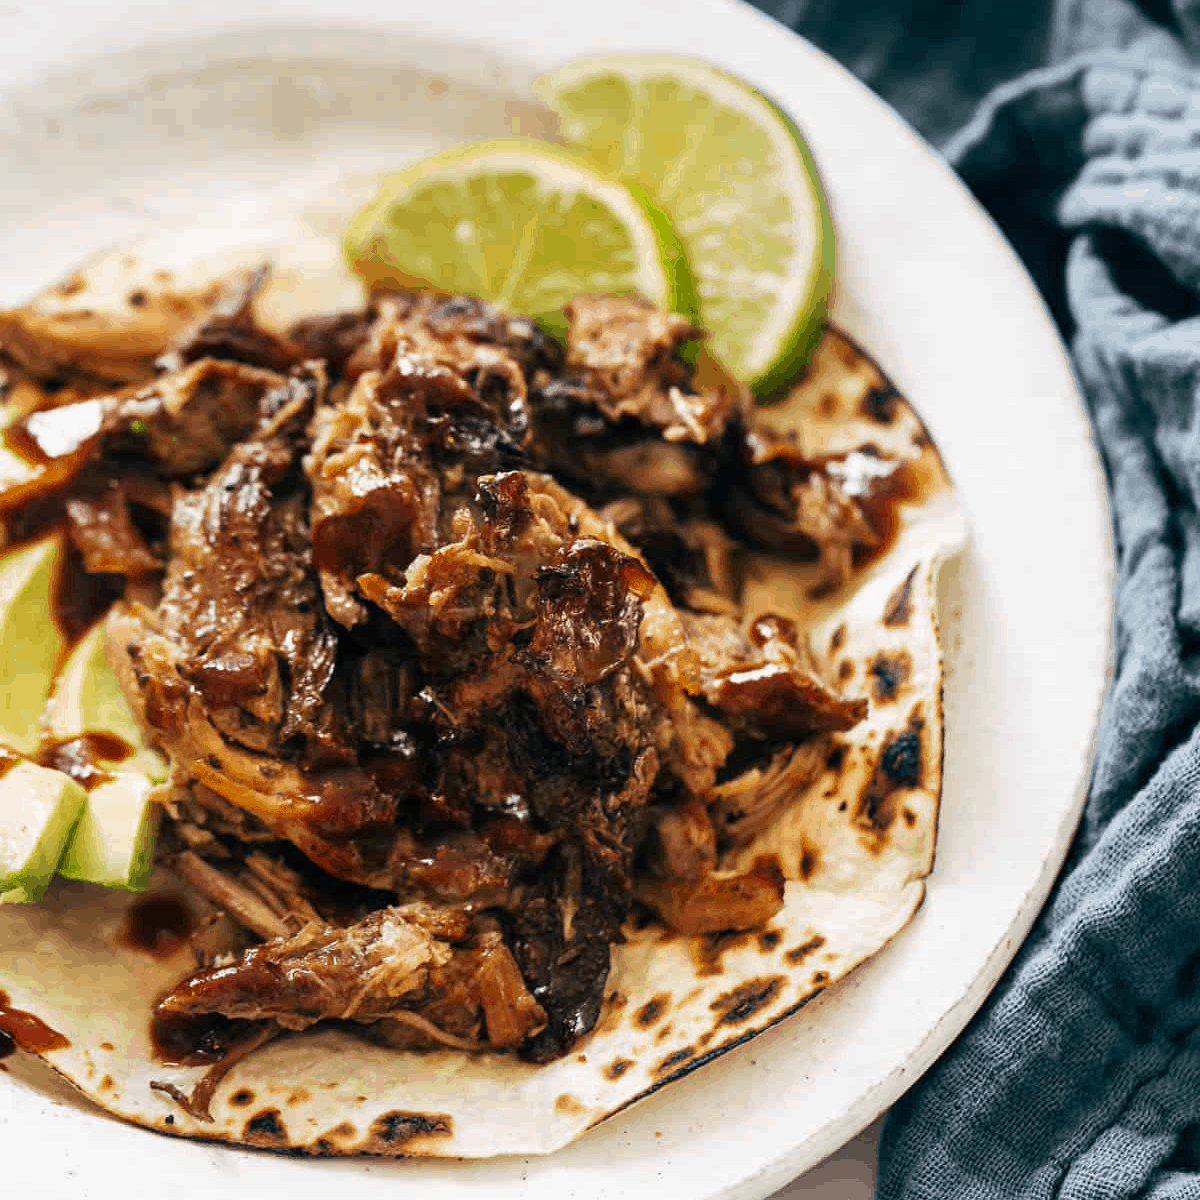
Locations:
(734, 177)
(522, 223)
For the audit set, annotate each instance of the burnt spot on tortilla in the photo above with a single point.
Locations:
(652, 1009)
(265, 1129)
(837, 756)
(299, 1096)
(746, 999)
(827, 405)
(617, 1068)
(136, 299)
(910, 817)
(612, 1010)
(709, 947)
(663, 1033)
(770, 938)
(106, 1083)
(838, 640)
(879, 404)
(106, 1046)
(898, 768)
(641, 916)
(581, 1058)
(845, 670)
(674, 1059)
(169, 1119)
(821, 977)
(810, 859)
(890, 671)
(396, 1128)
(566, 1103)
(72, 285)
(797, 954)
(899, 606)
(242, 1097)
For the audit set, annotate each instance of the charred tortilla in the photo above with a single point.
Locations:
(740, 611)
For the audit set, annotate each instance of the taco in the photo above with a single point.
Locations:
(540, 720)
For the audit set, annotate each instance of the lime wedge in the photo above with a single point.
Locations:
(738, 184)
(522, 223)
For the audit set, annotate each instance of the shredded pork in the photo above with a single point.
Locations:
(440, 625)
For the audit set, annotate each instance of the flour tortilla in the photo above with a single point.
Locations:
(855, 845)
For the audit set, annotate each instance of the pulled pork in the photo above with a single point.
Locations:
(440, 626)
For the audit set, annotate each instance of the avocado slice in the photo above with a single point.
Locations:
(30, 641)
(113, 843)
(39, 808)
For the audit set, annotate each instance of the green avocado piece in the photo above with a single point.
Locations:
(113, 843)
(30, 641)
(39, 808)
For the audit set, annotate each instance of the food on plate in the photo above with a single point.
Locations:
(501, 684)
(501, 715)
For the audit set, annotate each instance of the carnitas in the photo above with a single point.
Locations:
(439, 624)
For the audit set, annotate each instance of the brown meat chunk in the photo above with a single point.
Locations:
(742, 807)
(764, 682)
(101, 528)
(627, 413)
(716, 903)
(181, 424)
(823, 509)
(359, 973)
(625, 351)
(682, 844)
(229, 332)
(414, 968)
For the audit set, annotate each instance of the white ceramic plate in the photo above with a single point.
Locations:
(115, 115)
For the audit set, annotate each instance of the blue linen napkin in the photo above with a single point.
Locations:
(1080, 1077)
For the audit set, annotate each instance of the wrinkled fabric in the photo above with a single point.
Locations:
(1080, 1077)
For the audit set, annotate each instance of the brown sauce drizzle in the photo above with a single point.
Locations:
(78, 599)
(79, 757)
(155, 925)
(23, 1029)
(8, 760)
